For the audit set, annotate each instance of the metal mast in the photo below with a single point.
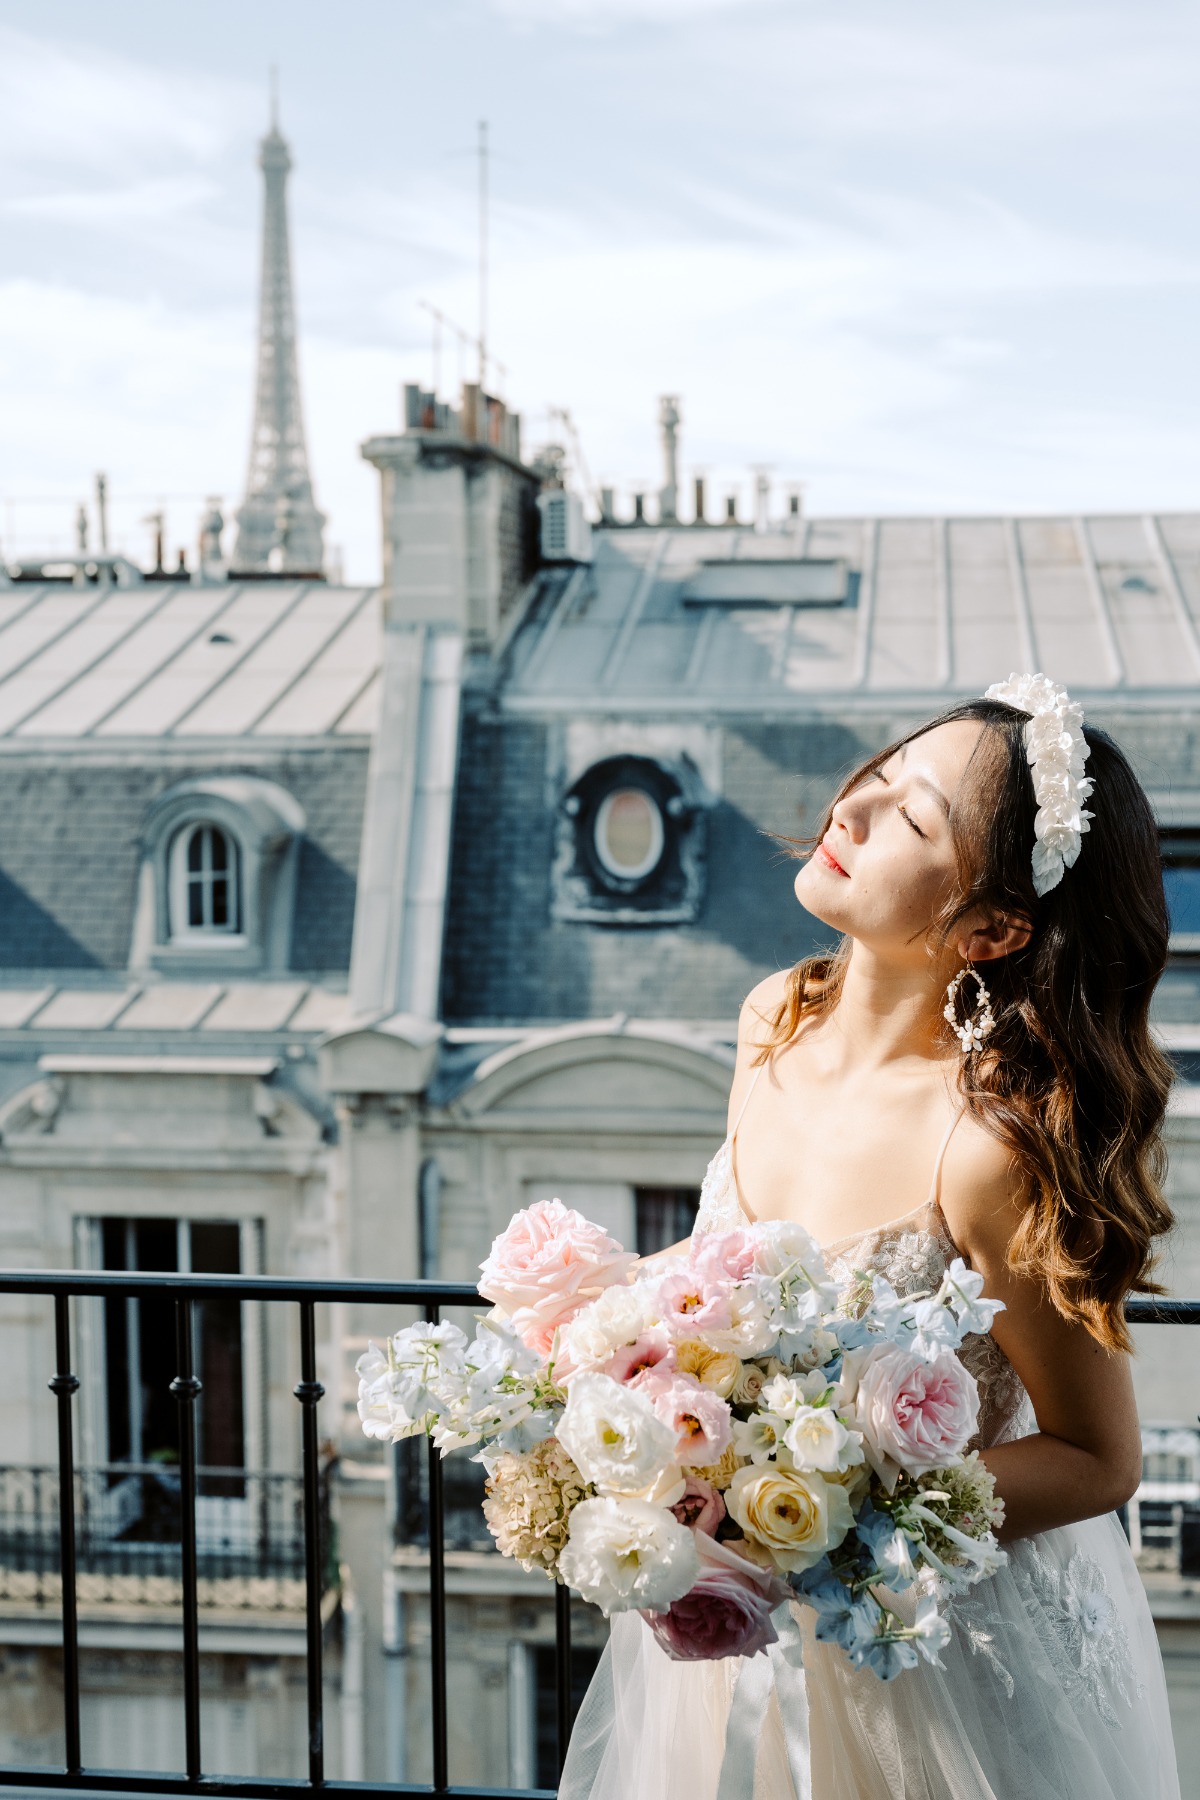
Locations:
(279, 527)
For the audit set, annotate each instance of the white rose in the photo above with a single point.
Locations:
(618, 1317)
(614, 1435)
(623, 1554)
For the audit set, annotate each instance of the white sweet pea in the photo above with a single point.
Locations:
(934, 1328)
(623, 1554)
(759, 1436)
(614, 1435)
(962, 1289)
(819, 1441)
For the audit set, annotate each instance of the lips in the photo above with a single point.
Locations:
(825, 855)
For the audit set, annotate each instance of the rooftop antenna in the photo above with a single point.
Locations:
(274, 83)
(483, 251)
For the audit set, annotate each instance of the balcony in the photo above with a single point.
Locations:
(129, 1534)
(69, 1538)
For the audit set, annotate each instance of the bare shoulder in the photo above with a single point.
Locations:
(754, 1030)
(980, 1192)
(758, 1011)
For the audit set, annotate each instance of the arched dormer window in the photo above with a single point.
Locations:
(205, 883)
(217, 887)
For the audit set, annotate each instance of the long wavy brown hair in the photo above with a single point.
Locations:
(1070, 1079)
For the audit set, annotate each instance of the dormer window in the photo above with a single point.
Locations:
(218, 881)
(205, 883)
(631, 843)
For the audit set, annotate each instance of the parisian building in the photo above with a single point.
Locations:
(339, 923)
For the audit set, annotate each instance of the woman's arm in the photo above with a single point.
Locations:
(1085, 1458)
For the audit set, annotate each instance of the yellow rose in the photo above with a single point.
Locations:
(718, 1474)
(718, 1369)
(797, 1517)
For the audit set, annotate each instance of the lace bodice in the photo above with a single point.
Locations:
(914, 1253)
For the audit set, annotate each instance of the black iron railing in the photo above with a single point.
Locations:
(75, 1545)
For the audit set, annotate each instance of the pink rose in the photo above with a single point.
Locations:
(700, 1506)
(914, 1415)
(726, 1613)
(547, 1266)
(694, 1302)
(698, 1414)
(724, 1255)
(653, 1350)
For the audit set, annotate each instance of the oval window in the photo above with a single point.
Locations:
(629, 834)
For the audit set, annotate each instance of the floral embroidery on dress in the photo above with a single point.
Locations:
(977, 1621)
(720, 1209)
(1080, 1628)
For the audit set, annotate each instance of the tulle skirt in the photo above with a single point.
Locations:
(1052, 1689)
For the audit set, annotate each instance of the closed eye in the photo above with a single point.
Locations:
(911, 821)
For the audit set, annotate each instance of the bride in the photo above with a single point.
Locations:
(971, 1073)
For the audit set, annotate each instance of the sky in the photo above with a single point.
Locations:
(930, 257)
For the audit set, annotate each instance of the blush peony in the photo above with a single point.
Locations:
(547, 1266)
(915, 1415)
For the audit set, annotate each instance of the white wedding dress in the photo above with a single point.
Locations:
(1053, 1683)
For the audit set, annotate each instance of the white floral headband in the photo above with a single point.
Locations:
(1057, 751)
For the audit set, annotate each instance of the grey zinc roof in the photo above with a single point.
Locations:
(166, 659)
(1106, 604)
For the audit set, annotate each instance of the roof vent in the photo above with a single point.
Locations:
(771, 581)
(566, 534)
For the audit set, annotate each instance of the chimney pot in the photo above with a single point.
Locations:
(699, 503)
(731, 517)
(639, 509)
(608, 506)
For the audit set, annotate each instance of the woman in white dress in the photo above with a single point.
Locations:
(1038, 1108)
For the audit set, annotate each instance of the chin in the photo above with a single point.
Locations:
(811, 890)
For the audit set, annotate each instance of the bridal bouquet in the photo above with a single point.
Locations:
(709, 1438)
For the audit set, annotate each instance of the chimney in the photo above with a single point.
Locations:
(762, 499)
(698, 489)
(795, 503)
(102, 512)
(608, 506)
(731, 517)
(639, 509)
(668, 494)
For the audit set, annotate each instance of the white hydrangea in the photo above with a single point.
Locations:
(1057, 751)
(423, 1370)
(615, 1436)
(615, 1318)
(623, 1554)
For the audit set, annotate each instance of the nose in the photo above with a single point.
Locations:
(851, 815)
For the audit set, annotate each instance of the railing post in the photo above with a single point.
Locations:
(186, 1389)
(64, 1385)
(308, 1392)
(437, 1609)
(562, 1670)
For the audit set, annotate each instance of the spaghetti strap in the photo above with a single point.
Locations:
(745, 1103)
(942, 1148)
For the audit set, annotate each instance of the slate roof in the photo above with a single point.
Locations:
(1106, 604)
(165, 659)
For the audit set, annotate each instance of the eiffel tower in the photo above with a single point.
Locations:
(279, 527)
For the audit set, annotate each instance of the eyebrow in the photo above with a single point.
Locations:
(931, 786)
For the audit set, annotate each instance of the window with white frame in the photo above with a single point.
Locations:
(206, 885)
(217, 885)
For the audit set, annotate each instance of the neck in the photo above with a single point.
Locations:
(888, 1010)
